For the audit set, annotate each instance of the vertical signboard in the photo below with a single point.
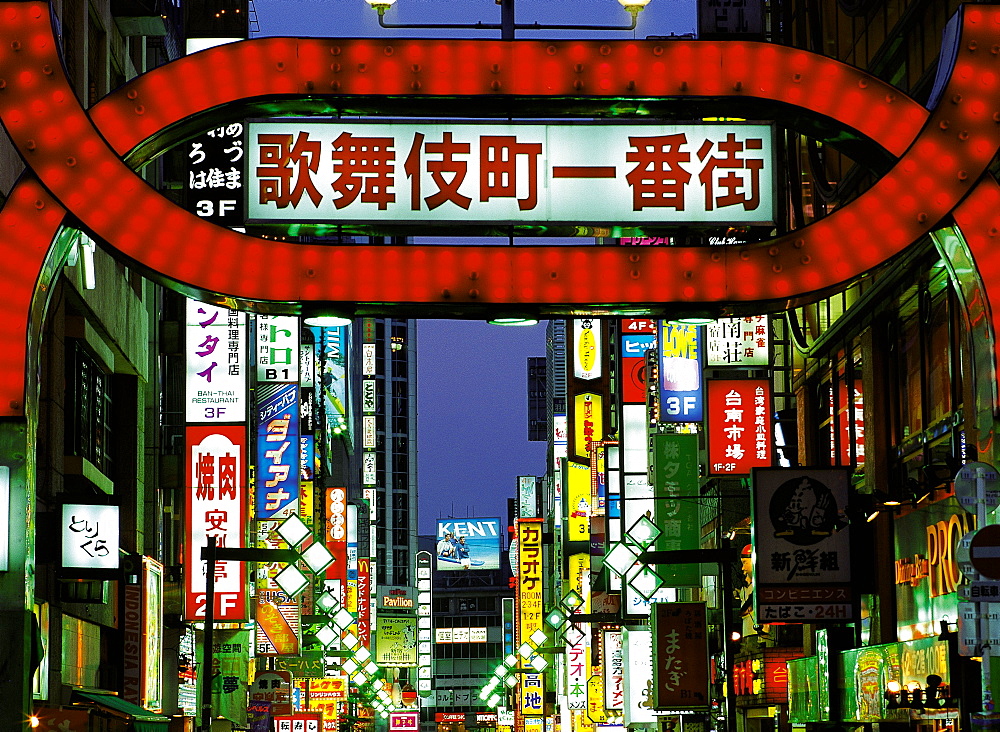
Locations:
(424, 631)
(216, 506)
(739, 426)
(151, 580)
(638, 645)
(676, 487)
(531, 689)
(278, 616)
(336, 531)
(215, 351)
(680, 660)
(395, 641)
(614, 670)
(527, 496)
(801, 539)
(277, 348)
(680, 372)
(215, 175)
(638, 337)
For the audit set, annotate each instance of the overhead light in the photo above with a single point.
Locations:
(317, 557)
(327, 321)
(293, 530)
(513, 321)
(693, 319)
(291, 580)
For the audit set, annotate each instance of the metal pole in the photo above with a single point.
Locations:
(506, 19)
(206, 652)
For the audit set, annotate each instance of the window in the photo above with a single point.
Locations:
(88, 433)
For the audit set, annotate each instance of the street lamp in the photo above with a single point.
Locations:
(507, 26)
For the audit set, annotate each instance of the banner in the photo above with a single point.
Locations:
(681, 656)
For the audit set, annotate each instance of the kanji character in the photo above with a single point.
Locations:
(658, 179)
(498, 169)
(363, 165)
(285, 169)
(731, 182)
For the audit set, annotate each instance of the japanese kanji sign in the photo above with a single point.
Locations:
(216, 506)
(675, 475)
(215, 349)
(531, 689)
(89, 536)
(802, 564)
(510, 172)
(214, 189)
(681, 359)
(739, 426)
(614, 670)
(680, 670)
(739, 341)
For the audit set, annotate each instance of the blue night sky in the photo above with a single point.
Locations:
(472, 377)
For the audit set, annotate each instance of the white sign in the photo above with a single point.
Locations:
(738, 341)
(4, 518)
(215, 351)
(277, 348)
(90, 536)
(977, 484)
(572, 173)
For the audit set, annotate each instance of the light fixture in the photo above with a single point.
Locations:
(538, 637)
(343, 619)
(293, 530)
(291, 580)
(621, 559)
(525, 651)
(693, 318)
(572, 600)
(634, 6)
(329, 320)
(646, 582)
(574, 635)
(326, 635)
(643, 532)
(351, 641)
(513, 321)
(511, 681)
(555, 618)
(362, 654)
(350, 666)
(538, 663)
(317, 557)
(327, 602)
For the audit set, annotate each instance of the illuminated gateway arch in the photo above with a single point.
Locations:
(81, 174)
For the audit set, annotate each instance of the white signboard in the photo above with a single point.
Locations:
(277, 348)
(638, 653)
(90, 536)
(738, 341)
(4, 518)
(215, 351)
(571, 173)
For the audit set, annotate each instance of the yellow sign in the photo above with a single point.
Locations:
(531, 689)
(588, 423)
(577, 502)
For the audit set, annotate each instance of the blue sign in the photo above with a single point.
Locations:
(468, 543)
(636, 345)
(681, 353)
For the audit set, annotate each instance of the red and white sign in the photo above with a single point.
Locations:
(404, 721)
(274, 687)
(463, 173)
(336, 531)
(739, 425)
(299, 722)
(216, 506)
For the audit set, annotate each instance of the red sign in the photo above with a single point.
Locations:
(336, 531)
(404, 721)
(739, 425)
(274, 687)
(449, 717)
(364, 601)
(216, 506)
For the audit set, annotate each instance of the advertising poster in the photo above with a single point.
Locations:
(395, 641)
(464, 544)
(231, 653)
(801, 539)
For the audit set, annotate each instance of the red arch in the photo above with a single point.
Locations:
(73, 161)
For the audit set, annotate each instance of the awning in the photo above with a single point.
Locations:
(144, 719)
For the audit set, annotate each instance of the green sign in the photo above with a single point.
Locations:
(675, 486)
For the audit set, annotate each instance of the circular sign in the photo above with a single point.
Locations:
(984, 551)
(977, 484)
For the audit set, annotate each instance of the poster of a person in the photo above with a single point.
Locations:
(462, 553)
(446, 546)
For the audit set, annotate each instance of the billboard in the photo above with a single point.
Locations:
(462, 172)
(395, 640)
(215, 353)
(468, 544)
(739, 425)
(278, 461)
(681, 357)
